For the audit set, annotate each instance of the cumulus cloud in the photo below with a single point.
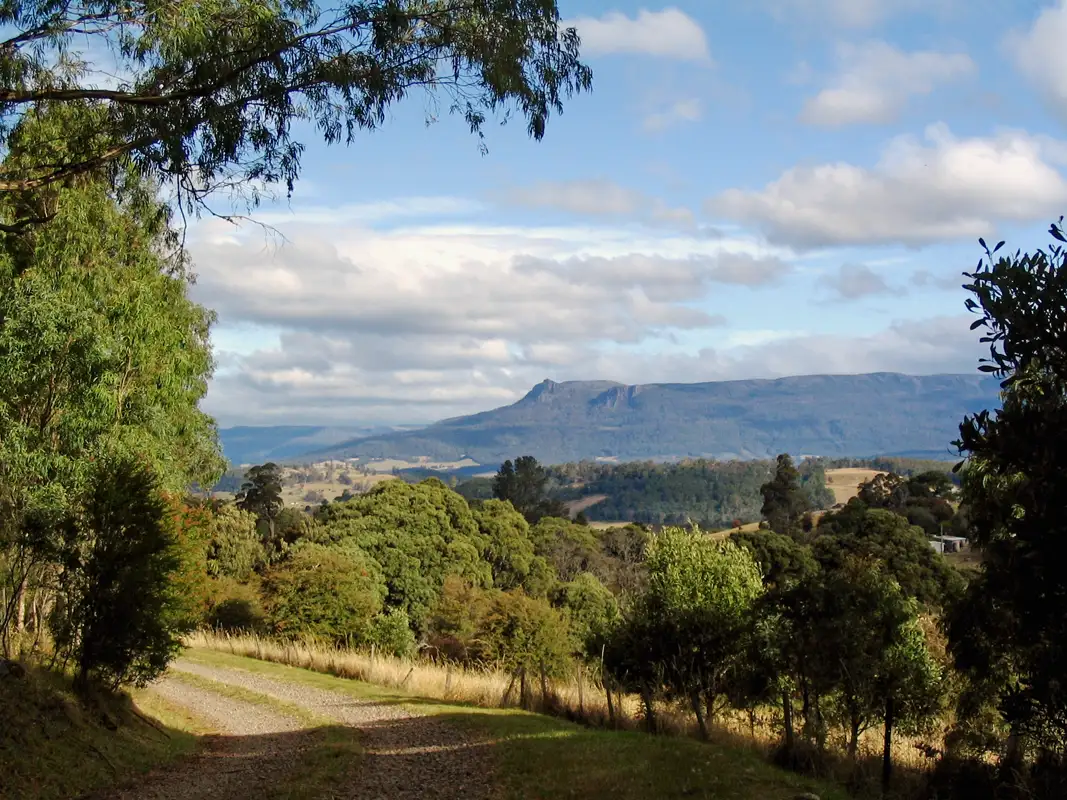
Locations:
(925, 279)
(920, 191)
(1039, 54)
(670, 33)
(413, 324)
(597, 197)
(677, 113)
(927, 346)
(876, 80)
(854, 282)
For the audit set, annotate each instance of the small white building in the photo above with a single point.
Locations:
(938, 545)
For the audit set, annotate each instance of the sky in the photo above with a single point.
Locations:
(751, 190)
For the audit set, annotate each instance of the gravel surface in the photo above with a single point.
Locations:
(408, 755)
(255, 746)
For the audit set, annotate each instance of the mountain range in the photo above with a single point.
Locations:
(256, 445)
(823, 415)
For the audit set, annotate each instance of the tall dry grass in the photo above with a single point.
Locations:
(581, 699)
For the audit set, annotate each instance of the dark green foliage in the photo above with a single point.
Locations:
(419, 534)
(240, 614)
(522, 632)
(1009, 632)
(784, 502)
(120, 618)
(391, 634)
(261, 494)
(234, 548)
(783, 561)
(524, 484)
(331, 592)
(592, 610)
(570, 548)
(708, 493)
(509, 547)
(903, 549)
(476, 489)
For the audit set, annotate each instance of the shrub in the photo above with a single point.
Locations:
(324, 591)
(391, 634)
(235, 607)
(121, 613)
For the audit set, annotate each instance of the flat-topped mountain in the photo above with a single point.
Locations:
(825, 415)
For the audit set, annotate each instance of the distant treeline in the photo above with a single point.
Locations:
(708, 493)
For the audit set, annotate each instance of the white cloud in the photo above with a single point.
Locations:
(1040, 55)
(412, 324)
(597, 197)
(917, 347)
(919, 192)
(669, 33)
(854, 282)
(680, 111)
(876, 80)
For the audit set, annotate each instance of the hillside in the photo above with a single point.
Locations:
(255, 445)
(825, 415)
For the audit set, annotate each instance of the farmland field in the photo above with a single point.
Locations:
(845, 483)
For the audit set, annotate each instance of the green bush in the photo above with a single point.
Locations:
(120, 618)
(391, 633)
(235, 607)
(330, 592)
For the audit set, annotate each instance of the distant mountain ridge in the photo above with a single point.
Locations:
(246, 444)
(824, 415)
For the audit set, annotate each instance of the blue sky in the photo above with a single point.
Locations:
(751, 190)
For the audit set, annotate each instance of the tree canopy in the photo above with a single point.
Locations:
(212, 94)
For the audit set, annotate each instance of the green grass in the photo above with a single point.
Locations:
(55, 745)
(543, 757)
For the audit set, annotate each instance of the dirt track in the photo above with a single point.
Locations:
(406, 755)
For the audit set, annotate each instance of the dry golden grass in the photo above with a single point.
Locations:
(581, 699)
(845, 483)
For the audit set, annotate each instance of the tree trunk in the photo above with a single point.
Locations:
(887, 747)
(702, 724)
(20, 606)
(611, 705)
(544, 687)
(709, 701)
(650, 714)
(507, 692)
(787, 721)
(853, 736)
(522, 688)
(820, 728)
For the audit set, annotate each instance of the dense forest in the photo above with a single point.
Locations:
(711, 494)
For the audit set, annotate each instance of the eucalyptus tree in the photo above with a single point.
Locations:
(206, 95)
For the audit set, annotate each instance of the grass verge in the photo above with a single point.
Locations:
(54, 744)
(545, 757)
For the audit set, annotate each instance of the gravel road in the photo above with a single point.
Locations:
(254, 746)
(407, 755)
